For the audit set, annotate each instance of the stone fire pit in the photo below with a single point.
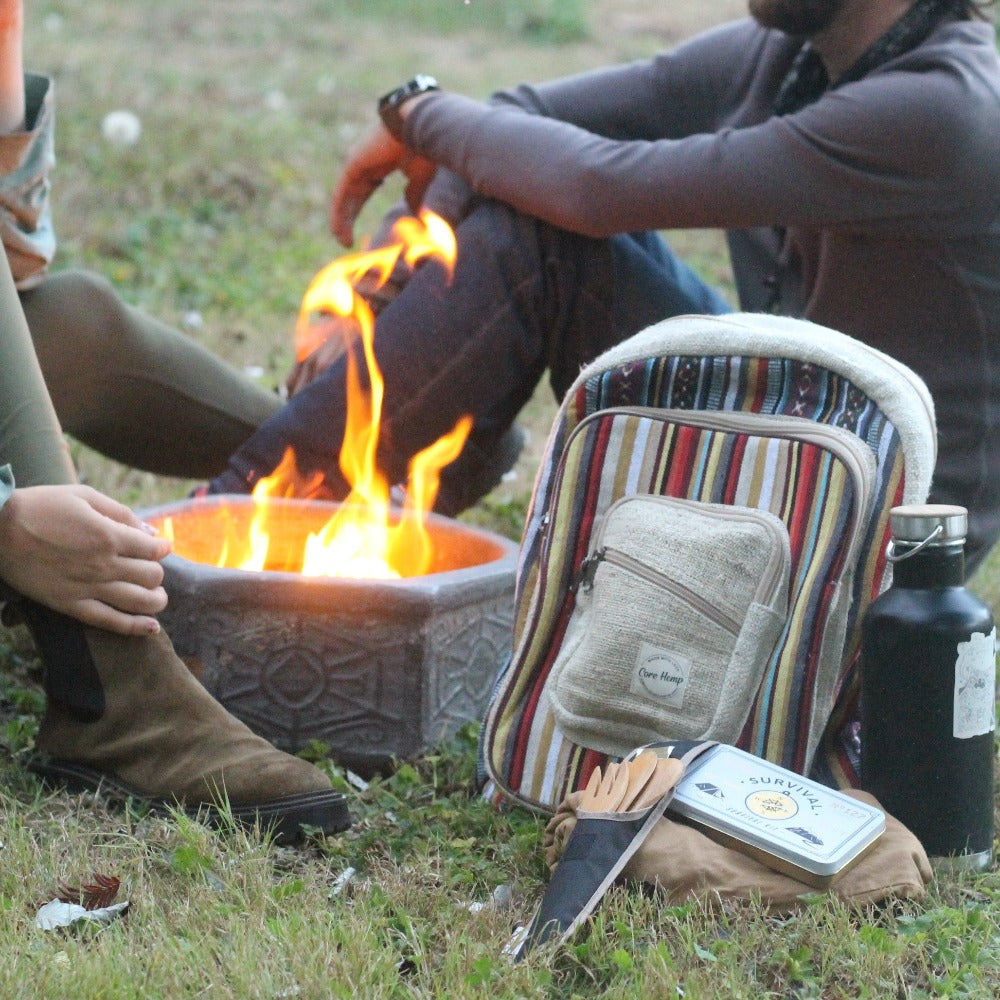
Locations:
(373, 669)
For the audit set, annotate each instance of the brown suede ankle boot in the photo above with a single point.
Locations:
(125, 716)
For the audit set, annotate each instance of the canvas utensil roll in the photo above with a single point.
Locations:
(615, 813)
(683, 862)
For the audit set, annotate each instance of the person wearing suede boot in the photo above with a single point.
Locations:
(123, 713)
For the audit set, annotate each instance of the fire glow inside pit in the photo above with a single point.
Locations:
(373, 669)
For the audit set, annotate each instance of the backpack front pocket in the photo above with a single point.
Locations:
(678, 610)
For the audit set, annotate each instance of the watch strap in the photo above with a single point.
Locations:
(389, 104)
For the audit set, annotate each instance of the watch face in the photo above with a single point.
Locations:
(422, 82)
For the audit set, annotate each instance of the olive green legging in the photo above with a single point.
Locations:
(115, 379)
(30, 437)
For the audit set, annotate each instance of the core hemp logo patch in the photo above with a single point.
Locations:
(661, 674)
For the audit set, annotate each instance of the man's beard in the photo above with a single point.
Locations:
(802, 18)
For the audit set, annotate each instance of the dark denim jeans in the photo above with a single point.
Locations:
(525, 297)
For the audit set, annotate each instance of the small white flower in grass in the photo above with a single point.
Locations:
(347, 132)
(121, 128)
(275, 100)
(192, 320)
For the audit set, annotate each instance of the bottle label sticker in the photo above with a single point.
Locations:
(975, 686)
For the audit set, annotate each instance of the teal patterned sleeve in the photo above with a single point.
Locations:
(26, 161)
(6, 488)
(6, 483)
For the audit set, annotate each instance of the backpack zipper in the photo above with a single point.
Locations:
(588, 569)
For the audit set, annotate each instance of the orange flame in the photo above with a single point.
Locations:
(363, 538)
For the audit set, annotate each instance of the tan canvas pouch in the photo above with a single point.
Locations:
(678, 611)
(684, 863)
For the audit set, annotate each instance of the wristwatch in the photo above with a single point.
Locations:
(389, 105)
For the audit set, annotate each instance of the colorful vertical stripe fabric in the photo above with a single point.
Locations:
(623, 432)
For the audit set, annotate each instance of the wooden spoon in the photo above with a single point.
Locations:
(640, 770)
(668, 771)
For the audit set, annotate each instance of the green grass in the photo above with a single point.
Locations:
(539, 20)
(248, 107)
(219, 914)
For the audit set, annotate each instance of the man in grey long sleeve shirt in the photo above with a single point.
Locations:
(850, 149)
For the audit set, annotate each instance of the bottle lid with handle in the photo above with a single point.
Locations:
(919, 526)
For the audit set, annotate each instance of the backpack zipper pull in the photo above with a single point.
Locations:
(588, 569)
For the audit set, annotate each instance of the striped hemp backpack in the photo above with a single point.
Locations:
(708, 524)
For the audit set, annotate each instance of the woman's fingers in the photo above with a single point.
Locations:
(99, 615)
(374, 158)
(130, 535)
(133, 543)
(131, 598)
(143, 573)
(84, 555)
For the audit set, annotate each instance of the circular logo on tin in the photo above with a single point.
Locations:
(772, 805)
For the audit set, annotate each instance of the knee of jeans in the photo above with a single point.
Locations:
(495, 227)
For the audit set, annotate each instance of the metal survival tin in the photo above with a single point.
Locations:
(787, 822)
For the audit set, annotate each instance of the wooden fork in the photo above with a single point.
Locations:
(605, 793)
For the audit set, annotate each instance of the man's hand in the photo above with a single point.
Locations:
(368, 164)
(79, 552)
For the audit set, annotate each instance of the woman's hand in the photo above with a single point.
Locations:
(79, 552)
(368, 164)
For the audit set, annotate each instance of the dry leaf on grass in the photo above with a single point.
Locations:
(94, 895)
(93, 901)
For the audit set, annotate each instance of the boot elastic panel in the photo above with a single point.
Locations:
(288, 818)
(71, 677)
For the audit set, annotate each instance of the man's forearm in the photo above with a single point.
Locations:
(11, 66)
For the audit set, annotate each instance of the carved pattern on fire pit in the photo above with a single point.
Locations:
(469, 652)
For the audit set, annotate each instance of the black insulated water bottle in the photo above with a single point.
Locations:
(928, 695)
